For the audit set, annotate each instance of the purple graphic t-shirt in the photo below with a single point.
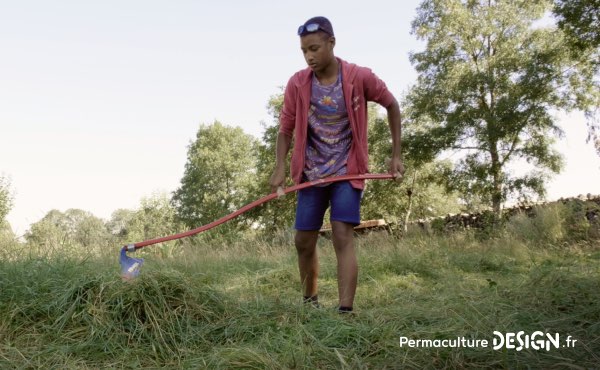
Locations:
(329, 134)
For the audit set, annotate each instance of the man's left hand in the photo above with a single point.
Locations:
(397, 169)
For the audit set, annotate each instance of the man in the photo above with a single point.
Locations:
(325, 107)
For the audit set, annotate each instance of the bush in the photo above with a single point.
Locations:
(582, 220)
(9, 245)
(555, 224)
(546, 226)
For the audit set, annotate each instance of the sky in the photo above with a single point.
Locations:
(99, 100)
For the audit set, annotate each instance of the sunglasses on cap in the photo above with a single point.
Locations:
(311, 27)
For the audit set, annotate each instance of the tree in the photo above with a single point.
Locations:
(48, 232)
(119, 223)
(90, 231)
(75, 228)
(580, 19)
(280, 213)
(419, 195)
(155, 217)
(6, 199)
(487, 86)
(219, 172)
(7, 236)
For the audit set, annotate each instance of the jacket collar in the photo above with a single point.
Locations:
(348, 73)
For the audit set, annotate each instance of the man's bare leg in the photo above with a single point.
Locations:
(308, 261)
(347, 266)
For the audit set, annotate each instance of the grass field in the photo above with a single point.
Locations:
(237, 305)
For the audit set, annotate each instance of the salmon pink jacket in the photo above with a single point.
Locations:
(359, 85)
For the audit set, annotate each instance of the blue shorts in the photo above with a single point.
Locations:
(314, 201)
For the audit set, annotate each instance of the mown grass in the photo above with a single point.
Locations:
(237, 305)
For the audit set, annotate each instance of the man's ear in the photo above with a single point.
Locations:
(332, 40)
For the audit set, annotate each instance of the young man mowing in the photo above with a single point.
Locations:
(325, 108)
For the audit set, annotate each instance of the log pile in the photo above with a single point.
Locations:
(589, 204)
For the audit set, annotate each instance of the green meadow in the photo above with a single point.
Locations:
(235, 303)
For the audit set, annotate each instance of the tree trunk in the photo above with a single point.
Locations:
(410, 192)
(496, 182)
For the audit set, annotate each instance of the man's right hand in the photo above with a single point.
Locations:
(277, 178)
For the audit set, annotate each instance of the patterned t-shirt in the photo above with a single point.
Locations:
(329, 133)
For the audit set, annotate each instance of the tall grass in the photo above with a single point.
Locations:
(236, 304)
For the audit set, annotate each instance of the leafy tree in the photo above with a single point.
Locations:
(48, 232)
(279, 213)
(119, 223)
(155, 217)
(219, 172)
(488, 84)
(6, 199)
(7, 237)
(419, 195)
(72, 229)
(580, 19)
(90, 231)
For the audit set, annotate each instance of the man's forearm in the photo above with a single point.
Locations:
(282, 148)
(395, 122)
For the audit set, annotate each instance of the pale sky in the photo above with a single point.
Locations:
(99, 100)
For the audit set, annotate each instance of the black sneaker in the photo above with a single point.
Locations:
(313, 301)
(344, 310)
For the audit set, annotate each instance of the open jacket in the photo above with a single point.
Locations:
(359, 85)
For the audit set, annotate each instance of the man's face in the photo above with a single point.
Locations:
(318, 50)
